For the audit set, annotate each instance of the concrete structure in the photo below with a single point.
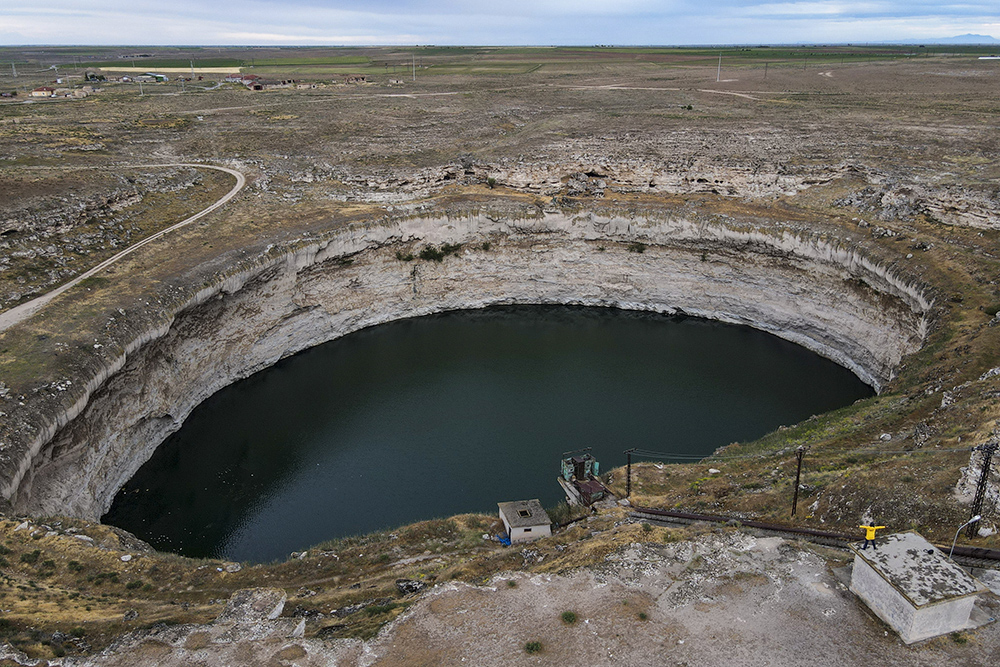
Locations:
(525, 520)
(913, 587)
(43, 91)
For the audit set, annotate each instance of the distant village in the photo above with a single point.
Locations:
(61, 87)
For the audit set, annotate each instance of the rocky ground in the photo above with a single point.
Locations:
(725, 597)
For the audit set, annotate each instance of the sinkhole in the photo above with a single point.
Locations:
(451, 413)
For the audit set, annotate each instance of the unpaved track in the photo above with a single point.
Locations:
(27, 309)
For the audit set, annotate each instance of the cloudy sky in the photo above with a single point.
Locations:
(495, 22)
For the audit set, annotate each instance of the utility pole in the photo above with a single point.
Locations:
(765, 71)
(140, 89)
(628, 472)
(988, 450)
(14, 70)
(192, 69)
(414, 68)
(718, 74)
(799, 453)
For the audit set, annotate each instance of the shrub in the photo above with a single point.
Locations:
(569, 617)
(492, 182)
(511, 583)
(431, 254)
(132, 585)
(377, 609)
(643, 616)
(78, 632)
(74, 566)
(404, 256)
(637, 247)
(104, 576)
(533, 647)
(31, 557)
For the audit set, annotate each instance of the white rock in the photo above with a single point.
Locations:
(714, 471)
(885, 437)
(126, 558)
(870, 340)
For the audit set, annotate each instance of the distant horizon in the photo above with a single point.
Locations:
(118, 23)
(990, 41)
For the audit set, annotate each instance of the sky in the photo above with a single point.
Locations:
(495, 22)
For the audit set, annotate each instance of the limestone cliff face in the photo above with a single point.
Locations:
(815, 292)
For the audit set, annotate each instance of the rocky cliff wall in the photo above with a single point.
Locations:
(811, 290)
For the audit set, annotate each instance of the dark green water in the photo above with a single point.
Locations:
(453, 413)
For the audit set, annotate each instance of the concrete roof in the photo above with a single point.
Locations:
(917, 569)
(536, 515)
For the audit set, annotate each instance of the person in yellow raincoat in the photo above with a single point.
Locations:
(870, 535)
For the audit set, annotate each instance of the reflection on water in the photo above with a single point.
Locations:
(453, 413)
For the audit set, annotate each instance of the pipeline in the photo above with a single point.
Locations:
(970, 556)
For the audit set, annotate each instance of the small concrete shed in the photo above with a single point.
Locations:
(525, 520)
(913, 587)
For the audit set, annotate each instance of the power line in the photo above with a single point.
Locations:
(645, 453)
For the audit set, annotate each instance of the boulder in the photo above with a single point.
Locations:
(252, 605)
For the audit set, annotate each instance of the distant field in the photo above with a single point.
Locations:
(172, 70)
(153, 63)
(458, 60)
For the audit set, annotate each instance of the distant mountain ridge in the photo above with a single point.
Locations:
(959, 39)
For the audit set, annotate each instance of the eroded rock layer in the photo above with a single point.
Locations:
(812, 290)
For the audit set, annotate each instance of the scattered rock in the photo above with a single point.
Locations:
(305, 612)
(410, 586)
(252, 605)
(354, 608)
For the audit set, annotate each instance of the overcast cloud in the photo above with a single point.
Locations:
(515, 22)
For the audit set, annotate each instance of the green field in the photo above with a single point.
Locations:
(466, 60)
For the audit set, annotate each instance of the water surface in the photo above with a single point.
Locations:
(453, 413)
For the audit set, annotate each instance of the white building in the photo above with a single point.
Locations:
(525, 520)
(913, 587)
